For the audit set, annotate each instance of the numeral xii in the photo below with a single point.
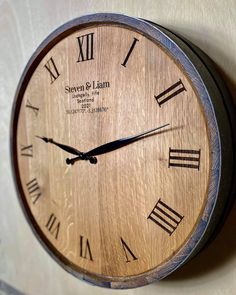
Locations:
(86, 46)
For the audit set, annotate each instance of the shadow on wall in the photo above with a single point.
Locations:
(217, 254)
(8, 289)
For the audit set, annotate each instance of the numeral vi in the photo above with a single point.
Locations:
(127, 251)
(27, 151)
(85, 249)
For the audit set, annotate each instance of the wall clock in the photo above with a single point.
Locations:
(122, 149)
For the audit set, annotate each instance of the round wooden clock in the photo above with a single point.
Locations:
(122, 149)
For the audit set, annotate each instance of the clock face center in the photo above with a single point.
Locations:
(125, 210)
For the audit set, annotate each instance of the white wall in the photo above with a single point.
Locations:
(210, 24)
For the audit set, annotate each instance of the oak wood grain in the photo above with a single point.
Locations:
(86, 211)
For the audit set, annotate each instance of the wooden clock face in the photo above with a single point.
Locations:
(133, 210)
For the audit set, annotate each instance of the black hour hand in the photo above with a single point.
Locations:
(64, 147)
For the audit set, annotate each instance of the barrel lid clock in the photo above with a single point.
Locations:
(155, 124)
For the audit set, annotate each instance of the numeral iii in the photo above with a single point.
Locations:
(85, 250)
(184, 158)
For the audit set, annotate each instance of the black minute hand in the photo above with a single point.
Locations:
(113, 145)
(64, 147)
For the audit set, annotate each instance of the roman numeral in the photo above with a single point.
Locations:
(34, 190)
(170, 92)
(165, 217)
(129, 53)
(184, 158)
(52, 69)
(53, 226)
(85, 250)
(128, 253)
(27, 151)
(85, 47)
(35, 109)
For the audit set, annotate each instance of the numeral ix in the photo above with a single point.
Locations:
(184, 158)
(165, 217)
